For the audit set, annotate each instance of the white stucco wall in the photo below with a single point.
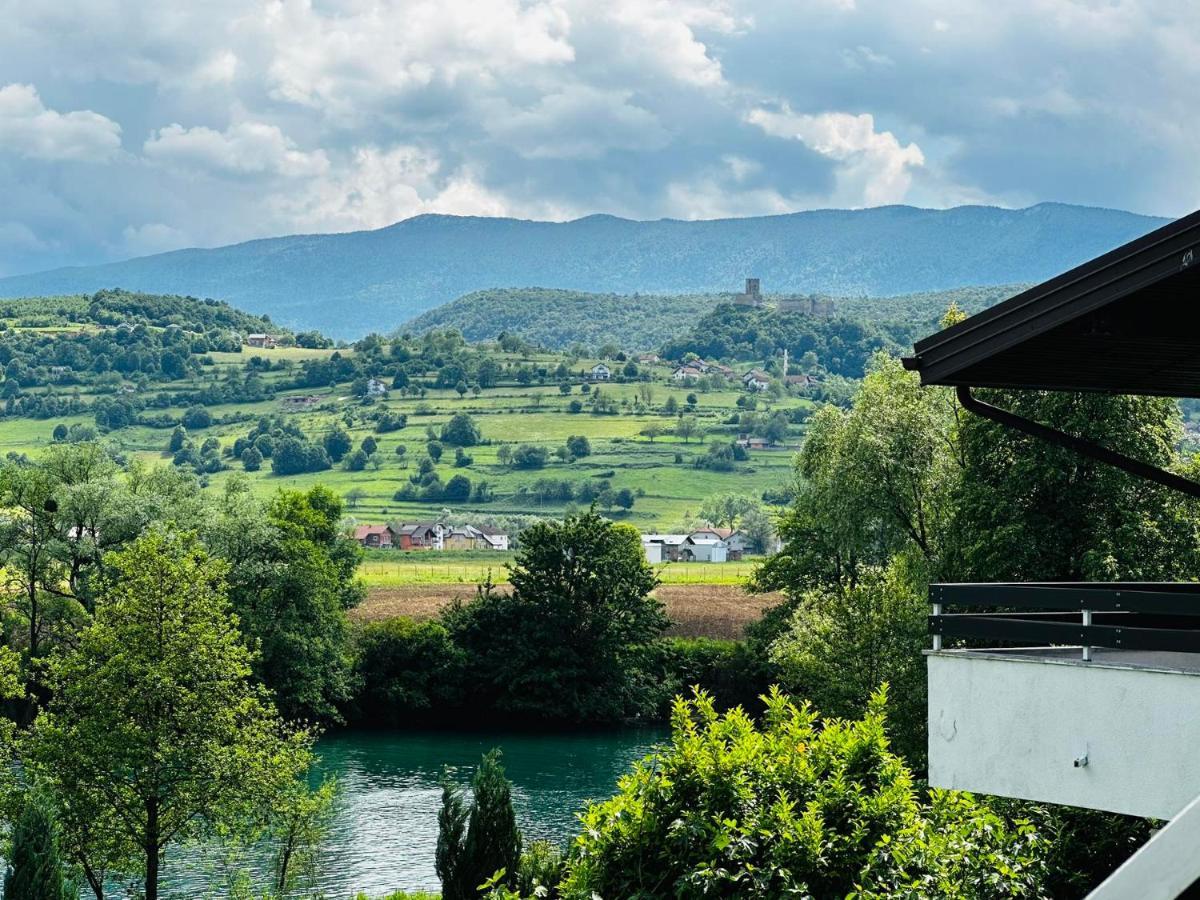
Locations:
(1001, 724)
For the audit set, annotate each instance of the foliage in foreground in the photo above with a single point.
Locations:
(156, 732)
(36, 868)
(477, 843)
(793, 806)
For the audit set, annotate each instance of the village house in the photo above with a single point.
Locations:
(721, 370)
(800, 381)
(376, 388)
(735, 541)
(649, 359)
(439, 536)
(263, 341)
(756, 379)
(687, 373)
(600, 372)
(375, 537)
(753, 443)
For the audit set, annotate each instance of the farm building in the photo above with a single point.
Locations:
(734, 540)
(699, 546)
(263, 341)
(439, 536)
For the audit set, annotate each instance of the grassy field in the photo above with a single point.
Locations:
(384, 569)
(668, 488)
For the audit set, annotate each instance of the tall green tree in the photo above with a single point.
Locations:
(156, 731)
(571, 640)
(452, 830)
(36, 869)
(291, 580)
(478, 843)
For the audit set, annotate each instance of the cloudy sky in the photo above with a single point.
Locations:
(133, 126)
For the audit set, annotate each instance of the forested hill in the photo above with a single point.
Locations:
(350, 284)
(557, 319)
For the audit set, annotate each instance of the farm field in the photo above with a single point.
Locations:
(695, 610)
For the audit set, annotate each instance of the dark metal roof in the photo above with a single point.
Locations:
(1127, 322)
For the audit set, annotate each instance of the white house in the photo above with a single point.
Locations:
(756, 379)
(686, 373)
(601, 372)
(376, 388)
(704, 550)
(735, 541)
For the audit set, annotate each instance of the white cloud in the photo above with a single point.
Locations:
(29, 129)
(377, 187)
(242, 149)
(873, 167)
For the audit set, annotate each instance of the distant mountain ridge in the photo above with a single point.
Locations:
(348, 284)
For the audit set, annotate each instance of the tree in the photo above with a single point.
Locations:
(195, 747)
(493, 841)
(292, 577)
(504, 455)
(686, 428)
(435, 450)
(354, 496)
(60, 433)
(570, 641)
(461, 431)
(652, 431)
(449, 859)
(724, 510)
(457, 489)
(369, 445)
(792, 806)
(196, 417)
(843, 642)
(251, 459)
(624, 498)
(527, 456)
(579, 446)
(36, 870)
(337, 443)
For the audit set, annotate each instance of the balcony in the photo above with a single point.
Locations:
(1079, 694)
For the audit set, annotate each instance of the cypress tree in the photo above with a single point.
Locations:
(452, 828)
(493, 839)
(36, 870)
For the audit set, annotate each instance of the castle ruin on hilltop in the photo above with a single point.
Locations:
(793, 303)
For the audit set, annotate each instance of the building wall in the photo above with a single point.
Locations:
(1015, 727)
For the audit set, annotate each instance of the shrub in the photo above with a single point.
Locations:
(36, 869)
(196, 417)
(794, 807)
(457, 489)
(579, 446)
(528, 456)
(337, 444)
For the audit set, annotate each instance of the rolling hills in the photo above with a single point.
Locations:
(352, 283)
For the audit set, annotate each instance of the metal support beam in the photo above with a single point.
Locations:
(1080, 445)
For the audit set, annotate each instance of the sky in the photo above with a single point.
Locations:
(130, 127)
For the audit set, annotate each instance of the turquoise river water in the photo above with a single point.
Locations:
(385, 828)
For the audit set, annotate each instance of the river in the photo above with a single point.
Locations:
(385, 825)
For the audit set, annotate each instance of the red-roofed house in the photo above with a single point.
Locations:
(375, 537)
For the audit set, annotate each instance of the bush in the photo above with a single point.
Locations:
(528, 456)
(794, 807)
(337, 444)
(36, 869)
(457, 489)
(251, 459)
(196, 417)
(579, 446)
(491, 842)
(356, 461)
(390, 421)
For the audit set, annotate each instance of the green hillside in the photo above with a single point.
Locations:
(558, 319)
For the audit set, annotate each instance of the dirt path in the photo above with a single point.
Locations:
(697, 610)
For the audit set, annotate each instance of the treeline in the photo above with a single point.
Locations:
(840, 346)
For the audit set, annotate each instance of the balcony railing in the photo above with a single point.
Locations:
(1121, 616)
